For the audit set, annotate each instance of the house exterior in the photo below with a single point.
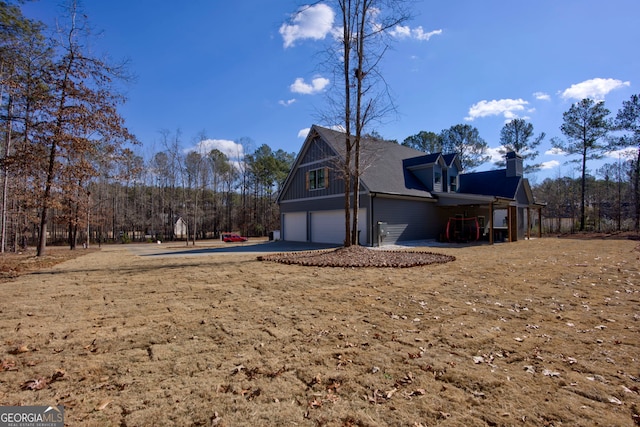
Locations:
(180, 228)
(405, 195)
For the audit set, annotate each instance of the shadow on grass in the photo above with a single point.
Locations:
(249, 248)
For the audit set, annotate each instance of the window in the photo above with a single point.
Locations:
(317, 179)
(438, 177)
(453, 183)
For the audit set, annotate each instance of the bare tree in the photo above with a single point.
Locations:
(81, 111)
(362, 96)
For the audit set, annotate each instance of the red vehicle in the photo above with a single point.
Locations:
(233, 238)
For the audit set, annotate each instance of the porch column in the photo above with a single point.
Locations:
(540, 222)
(491, 223)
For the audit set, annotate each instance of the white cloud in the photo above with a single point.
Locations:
(304, 132)
(419, 33)
(310, 22)
(403, 32)
(232, 149)
(495, 154)
(542, 96)
(317, 85)
(555, 151)
(595, 89)
(506, 107)
(628, 153)
(287, 102)
(550, 164)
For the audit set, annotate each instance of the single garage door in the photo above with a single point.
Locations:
(295, 227)
(328, 226)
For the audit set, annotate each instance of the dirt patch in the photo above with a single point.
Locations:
(531, 333)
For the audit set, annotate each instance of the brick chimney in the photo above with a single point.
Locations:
(514, 164)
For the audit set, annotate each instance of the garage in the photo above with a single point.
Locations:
(294, 226)
(328, 226)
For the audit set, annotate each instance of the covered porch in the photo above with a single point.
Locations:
(498, 219)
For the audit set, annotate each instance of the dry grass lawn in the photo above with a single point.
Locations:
(543, 332)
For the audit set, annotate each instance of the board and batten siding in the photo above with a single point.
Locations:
(406, 219)
(318, 156)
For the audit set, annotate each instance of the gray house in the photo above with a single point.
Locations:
(405, 195)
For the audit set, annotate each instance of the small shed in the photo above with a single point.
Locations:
(180, 229)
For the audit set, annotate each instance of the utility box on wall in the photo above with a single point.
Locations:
(382, 232)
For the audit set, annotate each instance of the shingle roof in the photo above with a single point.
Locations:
(386, 164)
(490, 183)
(382, 163)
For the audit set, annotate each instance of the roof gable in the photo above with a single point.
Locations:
(382, 165)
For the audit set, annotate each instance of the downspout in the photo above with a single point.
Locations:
(371, 221)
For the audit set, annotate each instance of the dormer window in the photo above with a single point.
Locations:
(437, 178)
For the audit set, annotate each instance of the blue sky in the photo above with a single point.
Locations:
(247, 70)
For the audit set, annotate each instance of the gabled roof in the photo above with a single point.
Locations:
(382, 164)
(424, 160)
(451, 158)
(387, 169)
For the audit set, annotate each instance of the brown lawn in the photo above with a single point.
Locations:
(543, 332)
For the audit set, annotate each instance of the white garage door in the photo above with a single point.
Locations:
(328, 226)
(295, 227)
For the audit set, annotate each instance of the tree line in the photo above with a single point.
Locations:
(69, 168)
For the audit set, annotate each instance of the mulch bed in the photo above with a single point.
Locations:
(358, 256)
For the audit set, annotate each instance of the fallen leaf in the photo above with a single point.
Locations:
(103, 404)
(549, 373)
(8, 365)
(615, 401)
(216, 420)
(57, 375)
(35, 384)
(20, 349)
(315, 403)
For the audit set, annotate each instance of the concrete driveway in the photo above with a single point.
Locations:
(215, 247)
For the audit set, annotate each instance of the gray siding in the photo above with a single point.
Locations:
(318, 156)
(406, 219)
(328, 203)
(318, 151)
(297, 188)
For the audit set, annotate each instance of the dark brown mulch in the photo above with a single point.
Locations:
(358, 256)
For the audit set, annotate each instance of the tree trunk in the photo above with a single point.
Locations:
(583, 188)
(637, 191)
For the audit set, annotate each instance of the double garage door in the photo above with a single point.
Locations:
(323, 227)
